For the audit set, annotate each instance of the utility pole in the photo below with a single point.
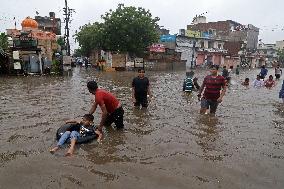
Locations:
(67, 13)
(193, 51)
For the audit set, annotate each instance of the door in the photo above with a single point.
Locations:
(34, 64)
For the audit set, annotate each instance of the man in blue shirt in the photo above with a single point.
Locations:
(263, 72)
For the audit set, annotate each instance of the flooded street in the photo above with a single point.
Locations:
(167, 146)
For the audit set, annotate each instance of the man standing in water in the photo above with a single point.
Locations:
(212, 96)
(112, 110)
(278, 72)
(263, 72)
(140, 89)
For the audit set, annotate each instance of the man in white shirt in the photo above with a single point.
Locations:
(258, 83)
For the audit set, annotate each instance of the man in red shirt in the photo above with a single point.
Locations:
(212, 96)
(112, 110)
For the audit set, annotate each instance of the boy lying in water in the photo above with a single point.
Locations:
(77, 130)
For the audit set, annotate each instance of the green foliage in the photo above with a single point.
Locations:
(127, 29)
(91, 37)
(78, 52)
(55, 67)
(280, 53)
(60, 41)
(3, 41)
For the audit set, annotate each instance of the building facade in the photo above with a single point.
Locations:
(50, 24)
(32, 48)
(280, 45)
(266, 54)
(240, 41)
(230, 31)
(200, 51)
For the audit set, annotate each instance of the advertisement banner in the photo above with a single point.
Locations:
(158, 48)
(191, 33)
(207, 35)
(168, 38)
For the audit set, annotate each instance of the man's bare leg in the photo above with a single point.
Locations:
(72, 147)
(54, 149)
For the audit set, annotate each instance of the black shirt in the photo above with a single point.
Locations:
(74, 127)
(140, 85)
(81, 129)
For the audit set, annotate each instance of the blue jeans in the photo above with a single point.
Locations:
(66, 136)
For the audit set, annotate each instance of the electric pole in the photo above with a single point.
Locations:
(67, 13)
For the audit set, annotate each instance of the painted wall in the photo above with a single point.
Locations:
(228, 62)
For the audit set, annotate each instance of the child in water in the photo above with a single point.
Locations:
(269, 83)
(246, 82)
(190, 84)
(281, 92)
(195, 84)
(77, 130)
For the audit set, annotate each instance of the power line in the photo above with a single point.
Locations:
(67, 12)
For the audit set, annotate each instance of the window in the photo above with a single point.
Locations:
(210, 44)
(202, 44)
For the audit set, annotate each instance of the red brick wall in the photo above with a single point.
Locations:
(232, 47)
(220, 26)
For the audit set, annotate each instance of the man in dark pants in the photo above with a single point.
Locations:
(112, 110)
(140, 89)
(212, 86)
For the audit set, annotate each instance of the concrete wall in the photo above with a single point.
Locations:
(164, 66)
(228, 62)
(252, 37)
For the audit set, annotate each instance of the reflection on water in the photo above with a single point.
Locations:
(169, 142)
(208, 136)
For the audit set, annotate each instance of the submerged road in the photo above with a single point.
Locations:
(167, 146)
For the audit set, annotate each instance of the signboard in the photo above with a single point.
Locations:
(17, 66)
(168, 38)
(191, 33)
(207, 35)
(139, 62)
(16, 55)
(158, 48)
(67, 60)
(25, 40)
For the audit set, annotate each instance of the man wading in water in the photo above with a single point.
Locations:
(140, 89)
(112, 111)
(212, 96)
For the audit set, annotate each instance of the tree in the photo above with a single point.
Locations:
(3, 41)
(61, 43)
(280, 53)
(130, 29)
(91, 36)
(78, 53)
(127, 29)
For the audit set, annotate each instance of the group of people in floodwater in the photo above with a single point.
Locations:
(111, 108)
(214, 86)
(210, 94)
(261, 80)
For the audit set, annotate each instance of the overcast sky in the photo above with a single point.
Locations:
(174, 14)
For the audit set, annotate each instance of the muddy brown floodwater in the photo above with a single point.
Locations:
(167, 146)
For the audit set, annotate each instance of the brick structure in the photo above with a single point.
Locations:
(231, 31)
(222, 28)
(233, 48)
